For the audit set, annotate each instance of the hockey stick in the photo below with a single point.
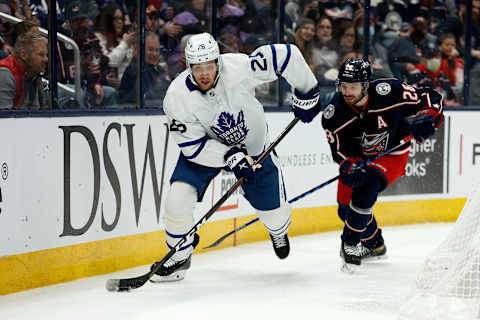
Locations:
(306, 193)
(128, 284)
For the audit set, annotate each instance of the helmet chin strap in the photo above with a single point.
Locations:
(364, 94)
(364, 91)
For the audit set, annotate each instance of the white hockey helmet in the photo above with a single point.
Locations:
(202, 48)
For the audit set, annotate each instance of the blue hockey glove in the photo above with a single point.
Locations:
(241, 164)
(350, 174)
(305, 105)
(422, 127)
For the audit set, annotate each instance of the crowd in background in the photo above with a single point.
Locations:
(418, 41)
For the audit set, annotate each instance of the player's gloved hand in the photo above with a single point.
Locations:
(305, 105)
(350, 174)
(422, 127)
(241, 164)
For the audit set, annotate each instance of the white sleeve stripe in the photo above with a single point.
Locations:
(345, 124)
(394, 106)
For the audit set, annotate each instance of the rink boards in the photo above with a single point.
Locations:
(81, 196)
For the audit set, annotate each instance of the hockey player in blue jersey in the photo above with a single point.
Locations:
(364, 119)
(218, 123)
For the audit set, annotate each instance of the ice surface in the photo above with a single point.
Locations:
(250, 282)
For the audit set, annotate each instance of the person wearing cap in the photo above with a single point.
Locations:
(94, 64)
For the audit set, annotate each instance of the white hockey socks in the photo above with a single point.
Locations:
(179, 208)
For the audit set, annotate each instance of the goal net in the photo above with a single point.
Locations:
(448, 285)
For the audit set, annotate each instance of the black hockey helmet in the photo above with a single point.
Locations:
(355, 70)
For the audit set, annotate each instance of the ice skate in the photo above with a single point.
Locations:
(350, 255)
(378, 253)
(281, 245)
(373, 249)
(173, 270)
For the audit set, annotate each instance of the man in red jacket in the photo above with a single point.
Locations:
(20, 85)
(428, 73)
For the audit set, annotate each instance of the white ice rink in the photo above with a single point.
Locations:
(248, 282)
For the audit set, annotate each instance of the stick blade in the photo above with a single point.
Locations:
(113, 285)
(119, 285)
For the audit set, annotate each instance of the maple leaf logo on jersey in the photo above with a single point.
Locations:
(374, 144)
(229, 131)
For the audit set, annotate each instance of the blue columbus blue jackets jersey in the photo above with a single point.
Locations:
(381, 123)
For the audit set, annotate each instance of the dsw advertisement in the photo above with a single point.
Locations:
(73, 180)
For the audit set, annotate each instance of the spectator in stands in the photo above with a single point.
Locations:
(155, 76)
(20, 83)
(116, 41)
(308, 9)
(429, 74)
(228, 17)
(292, 8)
(404, 9)
(94, 65)
(28, 25)
(5, 48)
(40, 10)
(378, 53)
(191, 20)
(194, 19)
(324, 53)
(398, 47)
(451, 65)
(325, 58)
(304, 38)
(345, 37)
(159, 21)
(121, 4)
(229, 43)
(180, 64)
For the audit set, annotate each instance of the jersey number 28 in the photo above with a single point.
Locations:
(409, 93)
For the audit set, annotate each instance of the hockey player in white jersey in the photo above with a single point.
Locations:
(219, 124)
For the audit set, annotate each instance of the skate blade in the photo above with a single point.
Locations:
(349, 268)
(375, 258)
(176, 276)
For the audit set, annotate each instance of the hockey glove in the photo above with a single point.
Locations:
(350, 174)
(422, 127)
(305, 105)
(241, 164)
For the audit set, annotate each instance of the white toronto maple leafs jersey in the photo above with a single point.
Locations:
(206, 125)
